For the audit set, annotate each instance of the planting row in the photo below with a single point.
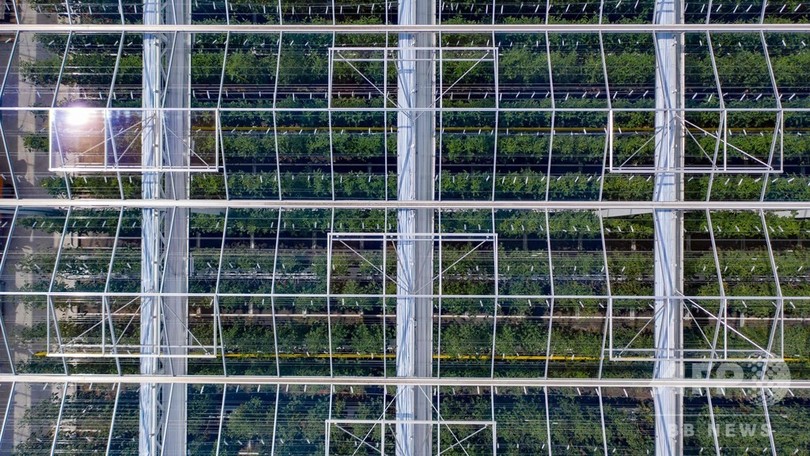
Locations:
(262, 226)
(254, 73)
(288, 420)
(508, 185)
(466, 270)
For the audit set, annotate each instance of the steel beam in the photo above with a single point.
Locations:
(668, 223)
(415, 169)
(482, 28)
(502, 109)
(535, 205)
(533, 382)
(421, 295)
(151, 155)
(177, 126)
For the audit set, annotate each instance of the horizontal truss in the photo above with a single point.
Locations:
(482, 204)
(443, 109)
(483, 28)
(396, 381)
(90, 294)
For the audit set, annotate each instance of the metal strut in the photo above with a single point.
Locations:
(415, 167)
(151, 152)
(164, 240)
(668, 229)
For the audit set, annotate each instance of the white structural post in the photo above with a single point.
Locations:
(415, 168)
(668, 223)
(151, 153)
(176, 153)
(164, 144)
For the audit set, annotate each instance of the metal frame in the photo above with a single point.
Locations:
(483, 28)
(60, 163)
(718, 163)
(444, 205)
(716, 350)
(81, 346)
(668, 226)
(713, 383)
(416, 47)
(459, 439)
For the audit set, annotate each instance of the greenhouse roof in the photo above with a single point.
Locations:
(411, 228)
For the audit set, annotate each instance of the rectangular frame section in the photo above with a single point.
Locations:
(83, 140)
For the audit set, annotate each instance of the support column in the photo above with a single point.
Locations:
(151, 149)
(164, 321)
(416, 170)
(175, 318)
(668, 229)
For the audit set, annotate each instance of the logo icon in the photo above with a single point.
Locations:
(771, 373)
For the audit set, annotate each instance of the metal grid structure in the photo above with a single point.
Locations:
(248, 227)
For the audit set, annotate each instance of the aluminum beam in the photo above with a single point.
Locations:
(483, 28)
(415, 173)
(426, 295)
(151, 154)
(535, 382)
(164, 318)
(538, 205)
(177, 126)
(668, 223)
(502, 109)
